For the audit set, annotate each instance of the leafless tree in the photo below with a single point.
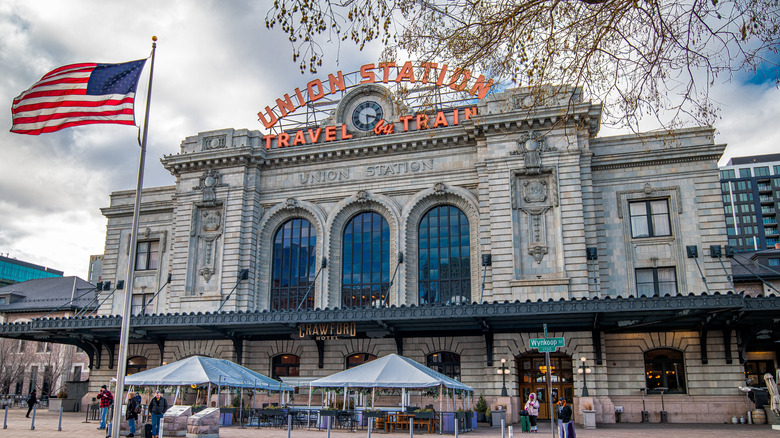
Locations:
(639, 57)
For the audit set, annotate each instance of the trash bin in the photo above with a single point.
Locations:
(664, 417)
(497, 416)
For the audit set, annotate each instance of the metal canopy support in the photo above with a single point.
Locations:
(399, 344)
(110, 347)
(238, 347)
(98, 353)
(488, 347)
(596, 336)
(320, 353)
(727, 344)
(703, 344)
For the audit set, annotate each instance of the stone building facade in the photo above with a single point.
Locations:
(451, 240)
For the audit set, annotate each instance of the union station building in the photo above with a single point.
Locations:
(451, 230)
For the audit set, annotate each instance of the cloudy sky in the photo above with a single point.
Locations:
(216, 66)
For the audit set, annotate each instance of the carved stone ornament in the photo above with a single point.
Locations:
(209, 181)
(537, 252)
(206, 273)
(534, 191)
(362, 196)
(291, 203)
(531, 146)
(211, 220)
(439, 189)
(216, 142)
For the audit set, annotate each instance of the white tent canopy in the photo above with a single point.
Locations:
(391, 371)
(199, 370)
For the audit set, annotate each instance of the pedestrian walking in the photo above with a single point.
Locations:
(532, 406)
(133, 409)
(106, 400)
(32, 399)
(564, 418)
(157, 407)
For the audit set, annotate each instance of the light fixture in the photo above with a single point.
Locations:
(503, 370)
(584, 370)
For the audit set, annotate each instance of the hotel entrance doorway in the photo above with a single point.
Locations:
(532, 370)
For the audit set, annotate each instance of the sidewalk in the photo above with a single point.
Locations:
(74, 425)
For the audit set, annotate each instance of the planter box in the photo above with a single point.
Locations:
(424, 415)
(589, 419)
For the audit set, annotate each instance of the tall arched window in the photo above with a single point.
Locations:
(366, 261)
(444, 252)
(354, 360)
(295, 251)
(664, 368)
(445, 362)
(285, 365)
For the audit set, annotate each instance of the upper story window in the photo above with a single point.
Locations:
(147, 255)
(285, 365)
(777, 170)
(358, 359)
(365, 261)
(728, 174)
(650, 218)
(664, 368)
(294, 256)
(141, 304)
(444, 253)
(445, 362)
(761, 171)
(652, 282)
(745, 173)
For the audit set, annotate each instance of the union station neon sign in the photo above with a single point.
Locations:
(426, 73)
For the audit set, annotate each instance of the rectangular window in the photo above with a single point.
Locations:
(761, 171)
(141, 304)
(774, 262)
(76, 373)
(146, 257)
(742, 186)
(745, 173)
(656, 282)
(33, 379)
(728, 174)
(649, 218)
(776, 169)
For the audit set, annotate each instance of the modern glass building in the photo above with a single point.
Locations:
(16, 271)
(751, 199)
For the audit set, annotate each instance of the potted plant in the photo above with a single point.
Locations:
(423, 413)
(481, 408)
(588, 416)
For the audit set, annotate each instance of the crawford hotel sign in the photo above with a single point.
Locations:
(362, 103)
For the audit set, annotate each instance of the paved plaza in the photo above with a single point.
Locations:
(74, 425)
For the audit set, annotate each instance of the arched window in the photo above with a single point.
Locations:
(135, 364)
(444, 252)
(358, 359)
(295, 251)
(664, 368)
(285, 365)
(445, 362)
(366, 261)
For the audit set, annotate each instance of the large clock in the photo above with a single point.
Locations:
(366, 115)
(364, 107)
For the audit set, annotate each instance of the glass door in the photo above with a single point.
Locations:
(532, 372)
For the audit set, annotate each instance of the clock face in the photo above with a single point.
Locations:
(366, 115)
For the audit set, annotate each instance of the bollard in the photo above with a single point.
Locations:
(411, 427)
(503, 428)
(5, 421)
(456, 427)
(329, 420)
(370, 421)
(511, 432)
(289, 424)
(59, 425)
(32, 423)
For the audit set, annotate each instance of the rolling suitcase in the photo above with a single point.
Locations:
(525, 423)
(147, 430)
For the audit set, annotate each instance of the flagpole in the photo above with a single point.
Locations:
(125, 332)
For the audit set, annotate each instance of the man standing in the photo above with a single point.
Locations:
(106, 400)
(564, 417)
(133, 409)
(157, 407)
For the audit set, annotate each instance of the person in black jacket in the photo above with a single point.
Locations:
(32, 399)
(131, 413)
(564, 418)
(157, 407)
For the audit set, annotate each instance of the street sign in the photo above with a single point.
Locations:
(546, 345)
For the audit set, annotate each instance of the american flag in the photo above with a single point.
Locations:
(78, 94)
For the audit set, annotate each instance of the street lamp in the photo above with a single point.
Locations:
(584, 371)
(503, 370)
